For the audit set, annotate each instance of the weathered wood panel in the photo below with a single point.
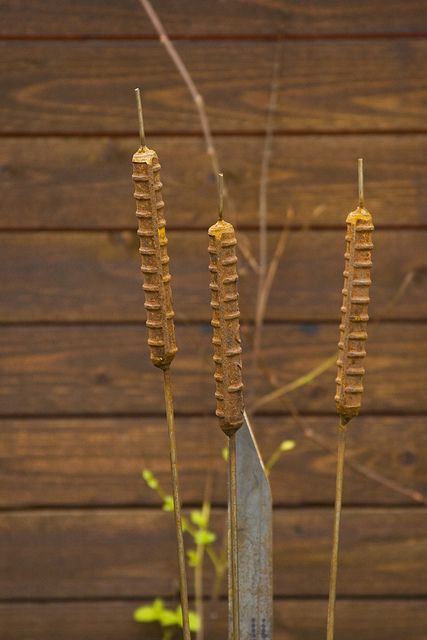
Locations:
(96, 277)
(211, 17)
(64, 181)
(105, 369)
(325, 86)
(122, 553)
(99, 461)
(294, 620)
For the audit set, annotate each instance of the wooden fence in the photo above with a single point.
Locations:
(82, 539)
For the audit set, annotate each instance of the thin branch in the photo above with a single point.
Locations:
(407, 280)
(265, 169)
(198, 569)
(307, 378)
(264, 292)
(311, 434)
(271, 274)
(221, 565)
(204, 121)
(262, 295)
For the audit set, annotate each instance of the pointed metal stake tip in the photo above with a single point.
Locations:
(140, 117)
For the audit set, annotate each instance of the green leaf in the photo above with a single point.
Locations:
(169, 618)
(204, 537)
(150, 479)
(287, 445)
(199, 518)
(193, 557)
(150, 613)
(168, 503)
(193, 619)
(224, 453)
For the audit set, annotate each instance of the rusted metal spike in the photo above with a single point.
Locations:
(228, 374)
(354, 310)
(154, 256)
(351, 345)
(158, 305)
(226, 328)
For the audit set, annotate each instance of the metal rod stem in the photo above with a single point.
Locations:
(177, 504)
(360, 181)
(140, 117)
(220, 195)
(234, 567)
(342, 433)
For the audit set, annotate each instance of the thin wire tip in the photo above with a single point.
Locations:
(360, 181)
(221, 195)
(140, 117)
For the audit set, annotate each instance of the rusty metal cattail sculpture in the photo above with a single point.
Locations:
(353, 335)
(158, 304)
(228, 370)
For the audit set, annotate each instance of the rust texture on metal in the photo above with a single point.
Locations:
(158, 304)
(226, 327)
(354, 310)
(154, 257)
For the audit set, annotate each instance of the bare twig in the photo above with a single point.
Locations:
(262, 296)
(264, 292)
(265, 168)
(275, 260)
(269, 279)
(296, 384)
(200, 553)
(311, 434)
(221, 566)
(204, 121)
(407, 280)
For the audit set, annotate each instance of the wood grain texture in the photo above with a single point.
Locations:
(96, 277)
(78, 370)
(211, 17)
(66, 179)
(294, 620)
(130, 552)
(325, 87)
(86, 462)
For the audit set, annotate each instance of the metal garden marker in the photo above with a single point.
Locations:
(255, 545)
(249, 497)
(158, 304)
(250, 590)
(353, 335)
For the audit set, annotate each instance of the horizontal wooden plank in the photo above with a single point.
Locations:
(99, 461)
(68, 179)
(122, 553)
(210, 17)
(294, 620)
(88, 86)
(105, 369)
(96, 277)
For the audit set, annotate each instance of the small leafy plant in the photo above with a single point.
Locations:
(169, 619)
(197, 527)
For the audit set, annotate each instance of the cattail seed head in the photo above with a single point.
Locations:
(154, 257)
(226, 327)
(354, 313)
